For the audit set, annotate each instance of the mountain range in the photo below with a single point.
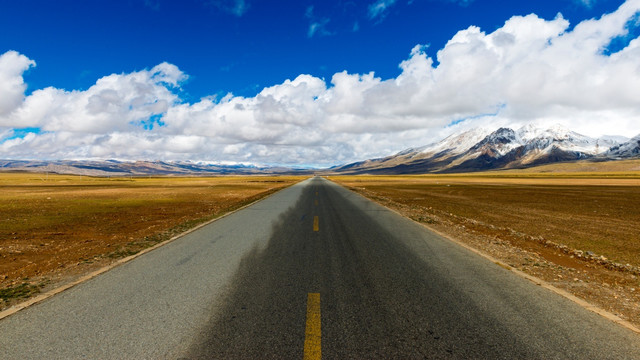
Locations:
(504, 148)
(473, 150)
(137, 168)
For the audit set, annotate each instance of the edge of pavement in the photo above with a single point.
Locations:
(583, 303)
(43, 296)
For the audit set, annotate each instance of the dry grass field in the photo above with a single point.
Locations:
(56, 227)
(590, 168)
(580, 232)
(600, 215)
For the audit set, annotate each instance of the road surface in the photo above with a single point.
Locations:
(312, 271)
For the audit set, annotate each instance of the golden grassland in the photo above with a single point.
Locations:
(587, 167)
(589, 213)
(56, 226)
(599, 173)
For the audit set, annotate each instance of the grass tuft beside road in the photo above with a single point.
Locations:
(20, 291)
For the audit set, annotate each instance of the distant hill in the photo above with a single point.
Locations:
(505, 148)
(137, 168)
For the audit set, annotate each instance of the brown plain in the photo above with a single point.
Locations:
(601, 215)
(54, 227)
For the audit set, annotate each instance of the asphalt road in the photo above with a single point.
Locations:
(312, 268)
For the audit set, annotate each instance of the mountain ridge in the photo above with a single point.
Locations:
(480, 150)
(138, 168)
(477, 149)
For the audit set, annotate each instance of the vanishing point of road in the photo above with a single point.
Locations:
(313, 271)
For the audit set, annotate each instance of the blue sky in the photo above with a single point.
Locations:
(241, 47)
(225, 46)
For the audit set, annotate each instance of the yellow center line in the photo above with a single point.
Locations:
(316, 193)
(312, 333)
(316, 224)
(316, 202)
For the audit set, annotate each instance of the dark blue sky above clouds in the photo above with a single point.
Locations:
(243, 46)
(305, 82)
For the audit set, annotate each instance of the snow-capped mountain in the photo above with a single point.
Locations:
(455, 144)
(627, 149)
(565, 139)
(479, 149)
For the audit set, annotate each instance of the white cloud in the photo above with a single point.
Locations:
(587, 3)
(467, 2)
(114, 103)
(317, 26)
(378, 9)
(12, 86)
(528, 70)
(308, 13)
(235, 7)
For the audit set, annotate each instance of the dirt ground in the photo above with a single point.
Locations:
(54, 228)
(579, 234)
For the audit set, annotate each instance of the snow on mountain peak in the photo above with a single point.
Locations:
(498, 142)
(532, 131)
(504, 148)
(456, 143)
(560, 137)
(528, 132)
(536, 141)
(630, 148)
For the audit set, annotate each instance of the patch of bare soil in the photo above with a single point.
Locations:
(566, 235)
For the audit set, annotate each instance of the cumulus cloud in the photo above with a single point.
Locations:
(12, 86)
(528, 70)
(116, 102)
